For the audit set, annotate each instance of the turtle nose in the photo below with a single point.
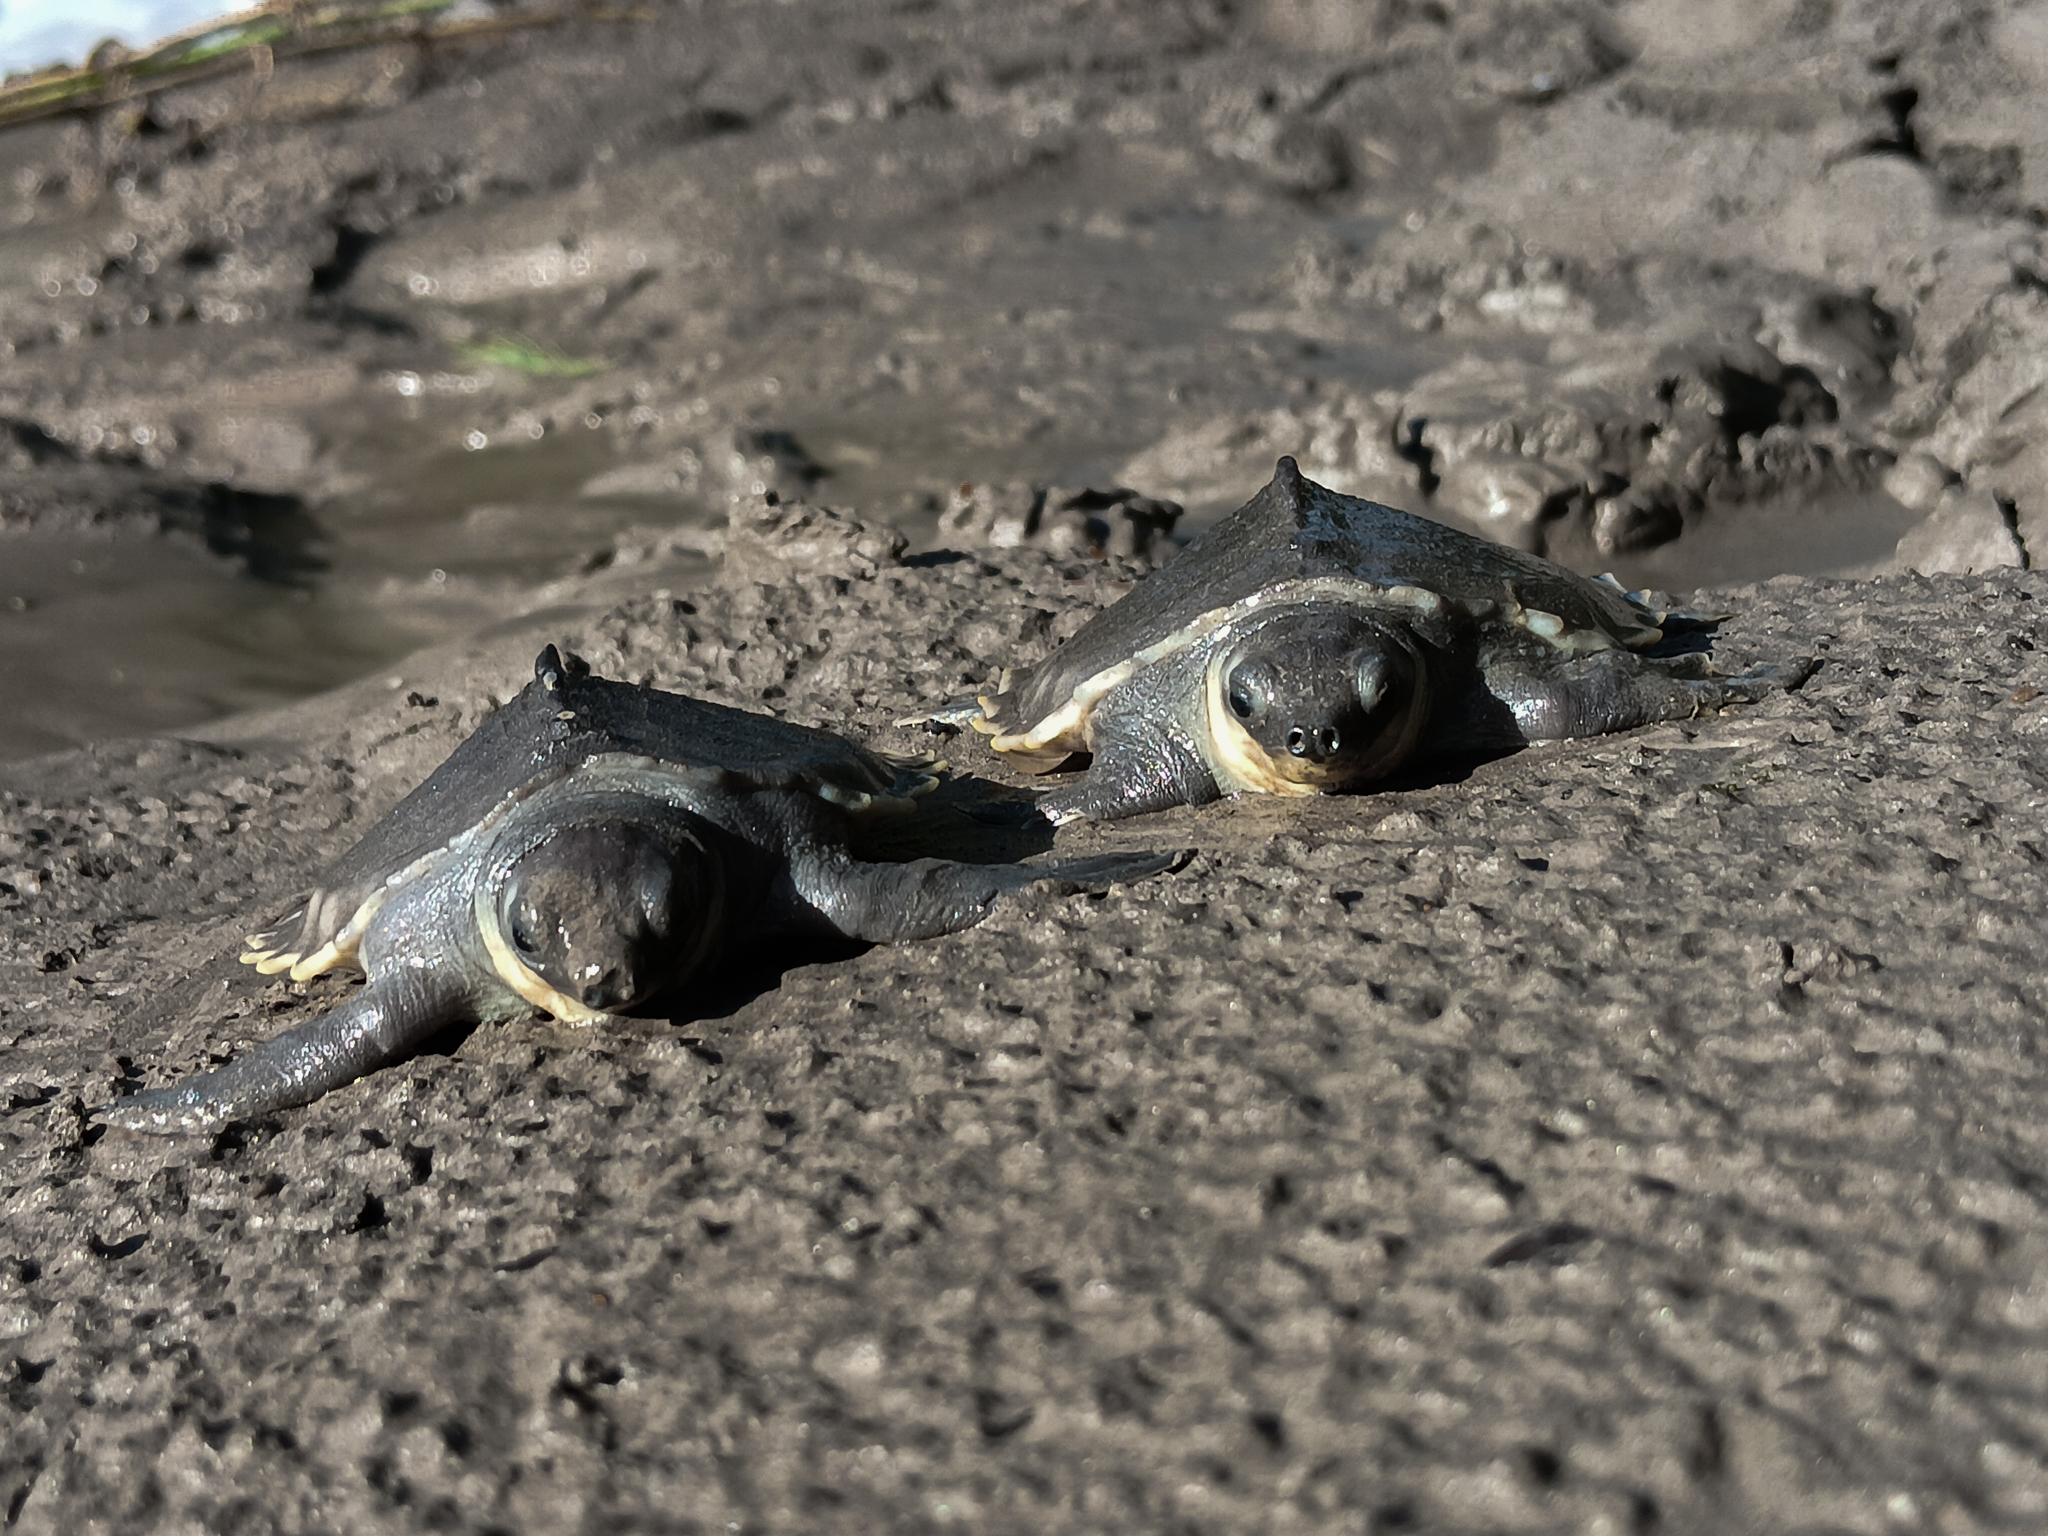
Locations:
(1317, 745)
(608, 991)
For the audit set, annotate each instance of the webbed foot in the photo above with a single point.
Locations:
(1138, 766)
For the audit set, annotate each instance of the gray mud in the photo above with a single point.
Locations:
(1626, 1136)
(1633, 1134)
(1694, 292)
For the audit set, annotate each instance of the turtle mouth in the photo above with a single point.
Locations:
(603, 993)
(1315, 759)
(1320, 744)
(1310, 769)
(521, 977)
(601, 896)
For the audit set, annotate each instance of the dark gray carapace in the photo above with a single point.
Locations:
(1314, 641)
(592, 845)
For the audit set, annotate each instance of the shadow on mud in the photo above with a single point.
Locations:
(270, 535)
(966, 819)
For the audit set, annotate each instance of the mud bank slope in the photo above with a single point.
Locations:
(1636, 1134)
(1701, 292)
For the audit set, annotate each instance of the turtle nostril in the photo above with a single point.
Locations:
(604, 992)
(1297, 742)
(1327, 741)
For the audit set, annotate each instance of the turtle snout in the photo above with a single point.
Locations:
(610, 990)
(1318, 745)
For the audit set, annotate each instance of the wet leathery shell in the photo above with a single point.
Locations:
(590, 850)
(1475, 618)
(563, 719)
(1283, 549)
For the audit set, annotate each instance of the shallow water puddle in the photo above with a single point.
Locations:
(127, 630)
(1839, 533)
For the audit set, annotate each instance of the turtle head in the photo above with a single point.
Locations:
(607, 913)
(1317, 698)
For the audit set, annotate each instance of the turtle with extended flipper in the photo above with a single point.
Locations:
(1314, 641)
(591, 846)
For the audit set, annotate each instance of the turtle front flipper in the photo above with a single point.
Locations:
(1141, 762)
(323, 930)
(1602, 693)
(887, 903)
(380, 1023)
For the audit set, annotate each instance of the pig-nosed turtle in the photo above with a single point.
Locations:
(1314, 641)
(589, 847)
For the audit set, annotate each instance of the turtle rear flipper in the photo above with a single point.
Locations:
(886, 903)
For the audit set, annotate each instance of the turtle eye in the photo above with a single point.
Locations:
(657, 888)
(1374, 678)
(524, 921)
(1246, 698)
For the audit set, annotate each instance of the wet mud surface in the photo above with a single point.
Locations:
(1635, 1134)
(1630, 1135)
(1694, 293)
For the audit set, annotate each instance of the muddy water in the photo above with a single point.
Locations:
(453, 509)
(1844, 533)
(128, 630)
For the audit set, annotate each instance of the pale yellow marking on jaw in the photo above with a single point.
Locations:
(1239, 762)
(1235, 758)
(517, 975)
(514, 973)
